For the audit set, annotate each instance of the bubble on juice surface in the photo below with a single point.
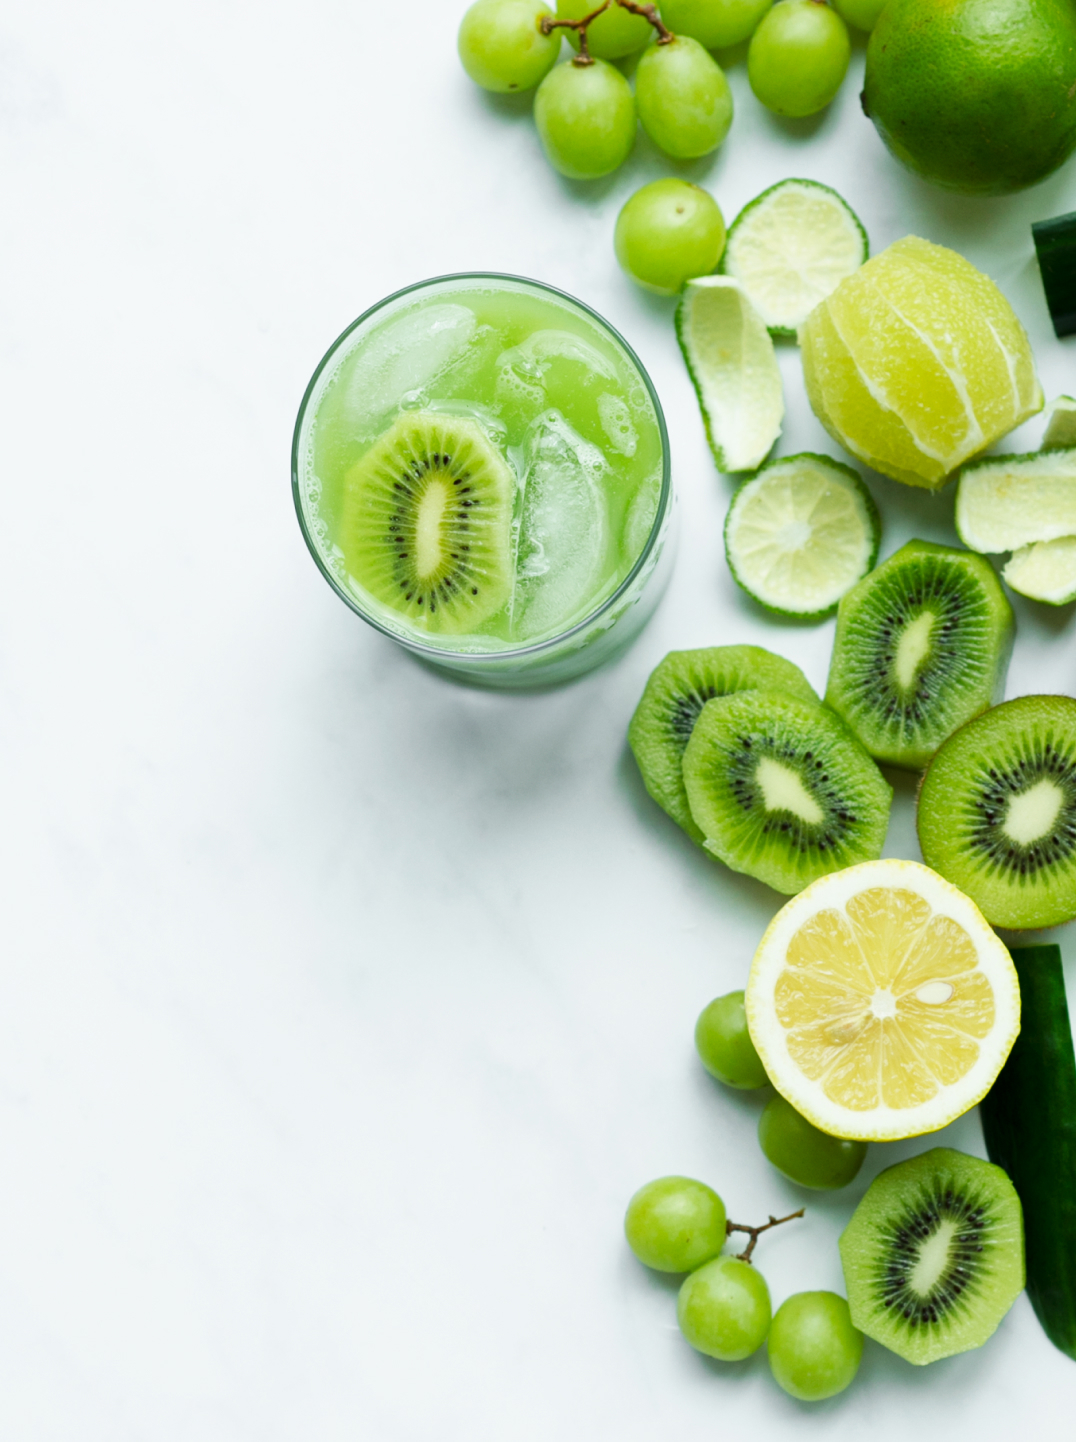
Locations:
(616, 423)
(399, 360)
(562, 535)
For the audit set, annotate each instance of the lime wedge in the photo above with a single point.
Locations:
(732, 364)
(1045, 571)
(800, 534)
(791, 248)
(1060, 425)
(1004, 503)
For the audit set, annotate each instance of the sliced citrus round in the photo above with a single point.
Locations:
(917, 362)
(801, 533)
(881, 1002)
(791, 248)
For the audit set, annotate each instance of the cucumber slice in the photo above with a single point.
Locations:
(1061, 425)
(1055, 246)
(731, 361)
(1029, 1125)
(791, 247)
(800, 534)
(1006, 502)
(1045, 571)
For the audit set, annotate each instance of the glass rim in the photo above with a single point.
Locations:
(481, 658)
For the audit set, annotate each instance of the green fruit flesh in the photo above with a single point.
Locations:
(677, 691)
(813, 1348)
(933, 1257)
(675, 1224)
(975, 95)
(922, 646)
(426, 522)
(1029, 1125)
(804, 1154)
(668, 233)
(724, 1309)
(997, 812)
(683, 98)
(782, 791)
(724, 1044)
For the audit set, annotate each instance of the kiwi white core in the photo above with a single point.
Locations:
(782, 790)
(429, 551)
(933, 1259)
(1032, 813)
(913, 649)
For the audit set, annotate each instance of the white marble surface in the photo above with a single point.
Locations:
(342, 1009)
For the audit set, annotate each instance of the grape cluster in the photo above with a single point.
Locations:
(585, 109)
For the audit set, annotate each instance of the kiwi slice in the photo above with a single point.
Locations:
(677, 691)
(997, 812)
(426, 521)
(922, 645)
(933, 1257)
(782, 791)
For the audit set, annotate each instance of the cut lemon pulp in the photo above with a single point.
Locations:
(881, 1002)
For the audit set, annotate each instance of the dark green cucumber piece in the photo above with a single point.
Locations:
(1029, 1124)
(1055, 245)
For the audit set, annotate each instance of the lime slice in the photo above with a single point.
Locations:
(791, 248)
(800, 534)
(1060, 425)
(1004, 503)
(731, 361)
(1045, 571)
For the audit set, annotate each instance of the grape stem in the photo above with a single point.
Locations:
(756, 1232)
(649, 12)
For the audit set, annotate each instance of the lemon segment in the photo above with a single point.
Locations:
(917, 362)
(881, 1002)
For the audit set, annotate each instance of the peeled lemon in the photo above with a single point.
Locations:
(917, 362)
(881, 1002)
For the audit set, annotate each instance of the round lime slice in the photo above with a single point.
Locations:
(800, 534)
(731, 361)
(791, 248)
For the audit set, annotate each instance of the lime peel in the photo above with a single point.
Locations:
(733, 367)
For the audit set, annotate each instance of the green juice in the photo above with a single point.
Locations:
(563, 402)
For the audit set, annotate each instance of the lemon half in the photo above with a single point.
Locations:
(881, 1002)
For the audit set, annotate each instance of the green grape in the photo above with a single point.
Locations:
(814, 1349)
(863, 14)
(669, 232)
(725, 1046)
(683, 98)
(798, 57)
(502, 46)
(724, 1309)
(803, 1153)
(715, 23)
(586, 119)
(618, 32)
(675, 1224)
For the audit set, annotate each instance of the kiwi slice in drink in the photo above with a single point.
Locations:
(922, 645)
(426, 522)
(997, 812)
(677, 691)
(933, 1257)
(782, 791)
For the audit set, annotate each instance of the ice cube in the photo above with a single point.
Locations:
(521, 370)
(642, 510)
(616, 423)
(401, 358)
(562, 530)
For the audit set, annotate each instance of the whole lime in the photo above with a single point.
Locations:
(975, 95)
